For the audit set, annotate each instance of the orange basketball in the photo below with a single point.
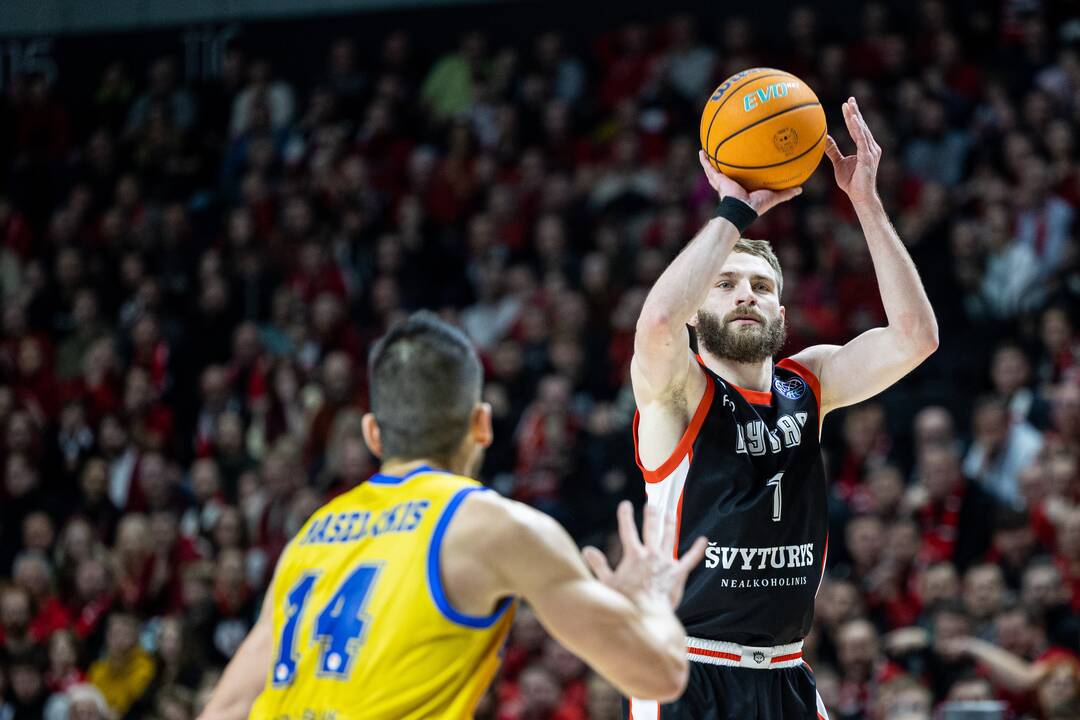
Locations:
(764, 128)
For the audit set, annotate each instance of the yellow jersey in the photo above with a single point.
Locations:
(362, 626)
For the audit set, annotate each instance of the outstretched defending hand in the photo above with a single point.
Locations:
(760, 200)
(856, 174)
(647, 570)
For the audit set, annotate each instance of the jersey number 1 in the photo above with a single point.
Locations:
(339, 628)
(777, 498)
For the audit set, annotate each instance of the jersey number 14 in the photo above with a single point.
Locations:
(339, 628)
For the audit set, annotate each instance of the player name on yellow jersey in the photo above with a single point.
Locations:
(363, 626)
(332, 527)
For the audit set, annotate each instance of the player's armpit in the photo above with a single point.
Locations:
(665, 412)
(525, 553)
(867, 365)
(662, 360)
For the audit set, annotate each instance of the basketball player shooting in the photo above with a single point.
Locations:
(728, 441)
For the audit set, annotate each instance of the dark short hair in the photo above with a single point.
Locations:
(425, 380)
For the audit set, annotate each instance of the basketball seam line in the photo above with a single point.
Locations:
(762, 167)
(764, 119)
(732, 92)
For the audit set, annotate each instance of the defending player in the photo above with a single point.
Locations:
(394, 599)
(729, 442)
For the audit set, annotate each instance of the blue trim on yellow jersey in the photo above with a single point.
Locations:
(435, 577)
(381, 479)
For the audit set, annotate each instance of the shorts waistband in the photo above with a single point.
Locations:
(718, 652)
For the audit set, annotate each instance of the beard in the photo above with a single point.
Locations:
(740, 343)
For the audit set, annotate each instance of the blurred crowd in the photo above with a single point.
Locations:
(191, 274)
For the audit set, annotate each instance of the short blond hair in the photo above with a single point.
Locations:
(762, 249)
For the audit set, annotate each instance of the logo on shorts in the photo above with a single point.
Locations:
(759, 657)
(786, 140)
(792, 389)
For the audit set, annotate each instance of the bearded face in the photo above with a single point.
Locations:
(743, 336)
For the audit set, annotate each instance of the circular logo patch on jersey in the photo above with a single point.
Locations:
(793, 388)
(759, 657)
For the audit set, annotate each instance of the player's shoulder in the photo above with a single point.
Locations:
(809, 359)
(487, 520)
(807, 365)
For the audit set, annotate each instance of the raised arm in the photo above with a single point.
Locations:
(879, 357)
(661, 346)
(623, 626)
(1005, 669)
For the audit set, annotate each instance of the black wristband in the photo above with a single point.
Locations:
(737, 212)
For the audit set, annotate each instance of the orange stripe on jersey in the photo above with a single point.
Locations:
(686, 442)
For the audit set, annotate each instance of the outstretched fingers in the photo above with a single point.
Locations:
(598, 562)
(628, 532)
(870, 141)
(832, 150)
(864, 139)
(671, 530)
(855, 128)
(655, 528)
(692, 557)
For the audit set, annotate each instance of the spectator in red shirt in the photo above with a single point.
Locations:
(538, 698)
(98, 386)
(316, 274)
(35, 381)
(64, 669)
(1068, 553)
(93, 599)
(950, 509)
(175, 551)
(570, 671)
(141, 573)
(32, 573)
(149, 420)
(862, 666)
(280, 481)
(523, 647)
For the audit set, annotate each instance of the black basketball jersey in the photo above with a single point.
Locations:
(748, 475)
